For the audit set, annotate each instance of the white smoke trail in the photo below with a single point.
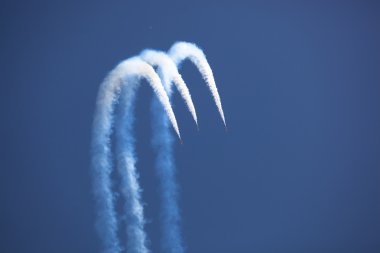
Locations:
(168, 73)
(181, 51)
(126, 157)
(163, 143)
(101, 159)
(171, 240)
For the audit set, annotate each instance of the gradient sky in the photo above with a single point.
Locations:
(297, 171)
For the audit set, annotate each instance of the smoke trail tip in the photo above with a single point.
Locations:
(224, 121)
(179, 136)
(223, 118)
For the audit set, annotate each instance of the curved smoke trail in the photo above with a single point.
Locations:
(168, 73)
(124, 79)
(163, 143)
(181, 51)
(101, 159)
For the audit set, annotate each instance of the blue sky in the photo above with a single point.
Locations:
(297, 171)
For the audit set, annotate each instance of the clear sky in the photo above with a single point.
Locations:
(297, 171)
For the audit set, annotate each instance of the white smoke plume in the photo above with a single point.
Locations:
(171, 241)
(101, 161)
(123, 82)
(168, 73)
(170, 218)
(181, 51)
(126, 158)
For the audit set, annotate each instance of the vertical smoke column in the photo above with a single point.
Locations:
(163, 142)
(101, 151)
(126, 157)
(106, 223)
(171, 241)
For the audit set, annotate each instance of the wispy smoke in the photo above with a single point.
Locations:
(101, 162)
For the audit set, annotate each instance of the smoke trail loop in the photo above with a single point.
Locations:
(162, 142)
(168, 73)
(101, 161)
(123, 82)
(181, 51)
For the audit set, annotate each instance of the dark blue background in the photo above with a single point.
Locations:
(298, 170)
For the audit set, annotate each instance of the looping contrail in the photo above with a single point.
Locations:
(168, 73)
(181, 51)
(102, 129)
(163, 143)
(123, 82)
